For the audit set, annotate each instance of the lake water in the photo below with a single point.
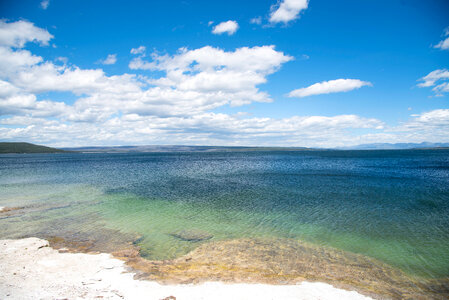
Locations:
(392, 206)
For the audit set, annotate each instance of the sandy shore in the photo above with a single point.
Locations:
(30, 269)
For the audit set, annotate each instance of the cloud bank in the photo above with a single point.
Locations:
(178, 107)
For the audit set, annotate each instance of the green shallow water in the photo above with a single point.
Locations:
(156, 222)
(389, 205)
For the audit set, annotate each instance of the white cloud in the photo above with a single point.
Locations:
(7, 89)
(139, 64)
(256, 20)
(139, 50)
(287, 10)
(441, 88)
(229, 27)
(214, 75)
(263, 59)
(109, 60)
(431, 126)
(444, 44)
(432, 118)
(49, 77)
(328, 87)
(431, 79)
(434, 76)
(15, 101)
(45, 4)
(14, 61)
(62, 59)
(16, 34)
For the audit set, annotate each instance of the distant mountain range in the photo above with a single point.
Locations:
(181, 148)
(31, 148)
(397, 146)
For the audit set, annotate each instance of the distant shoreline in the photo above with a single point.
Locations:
(24, 148)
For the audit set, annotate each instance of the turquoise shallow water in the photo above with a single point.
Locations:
(390, 205)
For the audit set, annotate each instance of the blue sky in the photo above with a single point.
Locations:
(288, 73)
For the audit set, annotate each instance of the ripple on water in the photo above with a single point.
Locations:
(390, 206)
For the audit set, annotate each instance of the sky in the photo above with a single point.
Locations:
(306, 73)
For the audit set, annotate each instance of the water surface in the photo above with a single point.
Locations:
(392, 206)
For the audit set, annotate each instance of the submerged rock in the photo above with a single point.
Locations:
(192, 235)
(138, 240)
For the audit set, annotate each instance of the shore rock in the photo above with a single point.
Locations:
(32, 270)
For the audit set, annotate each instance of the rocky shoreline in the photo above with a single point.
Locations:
(31, 269)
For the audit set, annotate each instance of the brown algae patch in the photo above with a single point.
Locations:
(8, 211)
(285, 261)
(192, 235)
(105, 241)
(17, 211)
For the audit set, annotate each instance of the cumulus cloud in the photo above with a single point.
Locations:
(12, 62)
(48, 77)
(211, 73)
(328, 87)
(45, 4)
(229, 27)
(438, 79)
(444, 44)
(264, 59)
(16, 34)
(109, 60)
(139, 50)
(287, 10)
